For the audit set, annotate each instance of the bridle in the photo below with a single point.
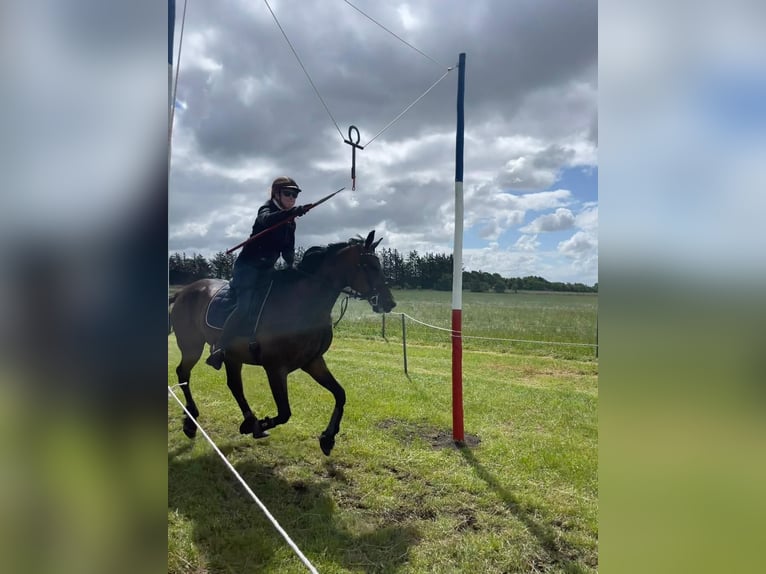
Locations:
(373, 295)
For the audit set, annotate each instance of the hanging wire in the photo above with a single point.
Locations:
(303, 68)
(394, 35)
(321, 99)
(392, 122)
(178, 67)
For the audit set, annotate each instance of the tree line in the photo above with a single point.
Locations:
(413, 271)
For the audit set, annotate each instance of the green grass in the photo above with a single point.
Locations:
(547, 317)
(396, 495)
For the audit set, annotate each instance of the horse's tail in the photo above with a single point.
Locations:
(171, 300)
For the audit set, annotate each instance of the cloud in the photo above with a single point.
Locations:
(251, 115)
(535, 170)
(560, 220)
(587, 219)
(527, 243)
(582, 251)
(580, 243)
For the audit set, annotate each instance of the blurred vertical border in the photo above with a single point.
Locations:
(83, 254)
(682, 127)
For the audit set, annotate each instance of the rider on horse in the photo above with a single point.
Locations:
(255, 264)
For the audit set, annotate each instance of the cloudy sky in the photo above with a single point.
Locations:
(246, 113)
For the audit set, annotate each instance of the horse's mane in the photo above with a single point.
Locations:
(314, 256)
(312, 260)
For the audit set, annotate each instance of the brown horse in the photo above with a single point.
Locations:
(294, 330)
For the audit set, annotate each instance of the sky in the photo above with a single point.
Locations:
(246, 113)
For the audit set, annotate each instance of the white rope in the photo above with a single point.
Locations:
(421, 322)
(495, 338)
(249, 490)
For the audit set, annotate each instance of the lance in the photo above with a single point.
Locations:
(308, 207)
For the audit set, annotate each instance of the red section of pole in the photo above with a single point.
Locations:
(457, 376)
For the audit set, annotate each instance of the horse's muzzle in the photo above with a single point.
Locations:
(383, 306)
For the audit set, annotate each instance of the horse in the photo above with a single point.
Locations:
(293, 332)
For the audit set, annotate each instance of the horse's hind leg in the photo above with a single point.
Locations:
(191, 351)
(322, 375)
(234, 381)
(278, 384)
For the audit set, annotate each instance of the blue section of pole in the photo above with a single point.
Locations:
(460, 122)
(171, 29)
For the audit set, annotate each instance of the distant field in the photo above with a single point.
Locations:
(528, 316)
(531, 316)
(396, 495)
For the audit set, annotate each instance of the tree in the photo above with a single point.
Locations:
(222, 265)
(200, 268)
(183, 269)
(412, 270)
(444, 283)
(429, 271)
(497, 282)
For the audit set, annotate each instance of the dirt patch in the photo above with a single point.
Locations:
(408, 431)
(402, 515)
(467, 520)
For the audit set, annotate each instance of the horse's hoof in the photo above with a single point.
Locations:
(190, 429)
(326, 444)
(260, 428)
(249, 425)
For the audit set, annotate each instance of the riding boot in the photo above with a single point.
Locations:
(230, 328)
(260, 295)
(216, 358)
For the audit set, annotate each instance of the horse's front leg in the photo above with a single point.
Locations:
(251, 425)
(322, 375)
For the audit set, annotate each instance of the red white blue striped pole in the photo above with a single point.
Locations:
(457, 269)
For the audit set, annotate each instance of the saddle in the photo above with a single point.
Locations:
(220, 307)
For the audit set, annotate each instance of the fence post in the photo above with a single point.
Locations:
(597, 334)
(383, 328)
(404, 344)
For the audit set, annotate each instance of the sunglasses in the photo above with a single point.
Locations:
(289, 193)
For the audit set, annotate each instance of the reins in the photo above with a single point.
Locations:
(347, 291)
(343, 307)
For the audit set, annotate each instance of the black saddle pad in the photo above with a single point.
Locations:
(220, 307)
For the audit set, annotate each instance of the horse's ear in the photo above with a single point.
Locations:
(374, 245)
(368, 241)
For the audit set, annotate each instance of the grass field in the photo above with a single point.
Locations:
(396, 495)
(567, 318)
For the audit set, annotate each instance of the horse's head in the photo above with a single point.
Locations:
(366, 275)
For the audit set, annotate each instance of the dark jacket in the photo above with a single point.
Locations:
(264, 251)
